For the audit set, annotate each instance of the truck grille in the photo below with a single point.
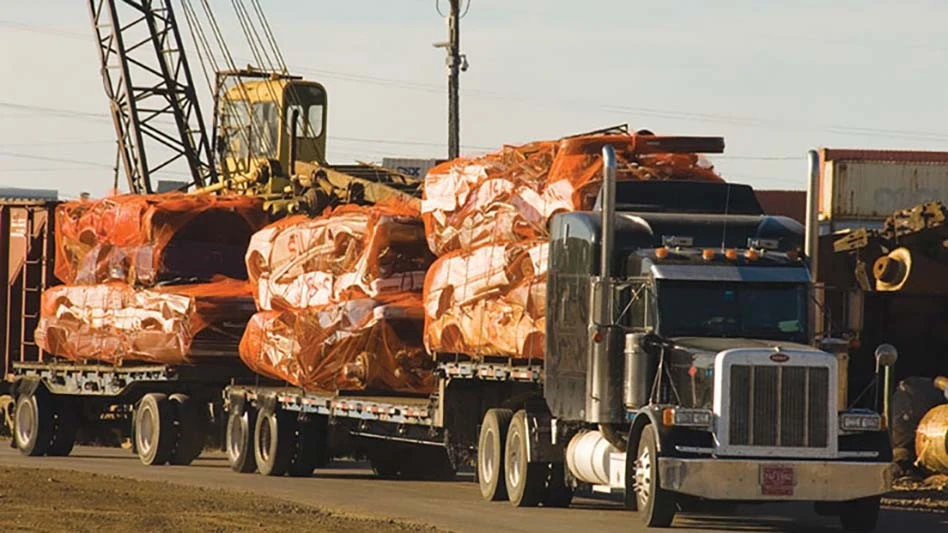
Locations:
(785, 406)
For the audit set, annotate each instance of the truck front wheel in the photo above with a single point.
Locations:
(33, 423)
(490, 454)
(860, 515)
(239, 438)
(656, 505)
(273, 440)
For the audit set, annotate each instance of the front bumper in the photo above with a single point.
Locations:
(743, 479)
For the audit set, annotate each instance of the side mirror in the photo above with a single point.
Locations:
(886, 356)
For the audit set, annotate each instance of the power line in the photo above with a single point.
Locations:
(37, 157)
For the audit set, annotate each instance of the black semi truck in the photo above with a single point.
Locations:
(680, 368)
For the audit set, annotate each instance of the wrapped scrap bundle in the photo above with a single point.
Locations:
(489, 301)
(340, 300)
(510, 195)
(144, 239)
(352, 252)
(485, 217)
(356, 344)
(112, 322)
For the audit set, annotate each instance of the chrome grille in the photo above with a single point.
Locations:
(783, 406)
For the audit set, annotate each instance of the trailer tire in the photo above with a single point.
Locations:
(65, 426)
(273, 441)
(154, 429)
(239, 439)
(860, 516)
(310, 447)
(33, 423)
(526, 482)
(490, 454)
(190, 437)
(656, 505)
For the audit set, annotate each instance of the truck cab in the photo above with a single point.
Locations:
(680, 364)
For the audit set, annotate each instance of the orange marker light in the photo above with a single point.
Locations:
(661, 253)
(752, 255)
(668, 416)
(731, 254)
(793, 255)
(707, 254)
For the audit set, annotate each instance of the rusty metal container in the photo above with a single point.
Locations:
(26, 262)
(931, 438)
(862, 187)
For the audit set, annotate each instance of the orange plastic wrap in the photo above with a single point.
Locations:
(352, 252)
(488, 302)
(511, 194)
(144, 239)
(355, 345)
(112, 322)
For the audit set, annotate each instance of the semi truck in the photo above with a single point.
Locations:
(679, 368)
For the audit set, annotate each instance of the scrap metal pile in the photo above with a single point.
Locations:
(145, 275)
(339, 300)
(487, 220)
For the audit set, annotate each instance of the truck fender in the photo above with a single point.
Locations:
(236, 403)
(267, 401)
(540, 430)
(25, 386)
(646, 416)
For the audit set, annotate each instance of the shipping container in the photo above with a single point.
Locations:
(860, 188)
(783, 203)
(26, 266)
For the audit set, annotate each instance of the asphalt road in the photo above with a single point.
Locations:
(457, 506)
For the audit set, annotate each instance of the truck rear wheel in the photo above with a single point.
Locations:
(273, 440)
(240, 452)
(490, 454)
(65, 426)
(860, 515)
(190, 435)
(656, 505)
(154, 429)
(526, 482)
(33, 421)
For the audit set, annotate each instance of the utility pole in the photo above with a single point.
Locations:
(457, 63)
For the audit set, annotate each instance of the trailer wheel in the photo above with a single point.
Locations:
(154, 429)
(860, 515)
(310, 447)
(526, 482)
(240, 453)
(65, 426)
(190, 437)
(656, 505)
(558, 493)
(33, 423)
(273, 438)
(490, 454)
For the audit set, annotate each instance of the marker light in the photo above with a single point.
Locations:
(661, 253)
(752, 255)
(793, 255)
(731, 254)
(707, 254)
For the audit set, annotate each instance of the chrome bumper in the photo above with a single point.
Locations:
(741, 479)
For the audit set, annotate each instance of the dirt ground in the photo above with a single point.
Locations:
(60, 500)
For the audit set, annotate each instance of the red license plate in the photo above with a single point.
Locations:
(777, 480)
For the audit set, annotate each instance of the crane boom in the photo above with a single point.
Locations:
(147, 79)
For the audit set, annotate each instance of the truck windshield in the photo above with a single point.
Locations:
(732, 309)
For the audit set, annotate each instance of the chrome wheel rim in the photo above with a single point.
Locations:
(488, 456)
(515, 459)
(643, 476)
(146, 430)
(25, 423)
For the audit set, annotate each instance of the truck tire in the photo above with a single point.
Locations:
(33, 423)
(490, 454)
(526, 482)
(860, 516)
(558, 493)
(656, 505)
(154, 429)
(239, 438)
(310, 447)
(190, 435)
(273, 441)
(65, 426)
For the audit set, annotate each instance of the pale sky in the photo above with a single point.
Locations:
(774, 80)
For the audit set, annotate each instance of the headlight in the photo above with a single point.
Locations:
(679, 416)
(860, 422)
